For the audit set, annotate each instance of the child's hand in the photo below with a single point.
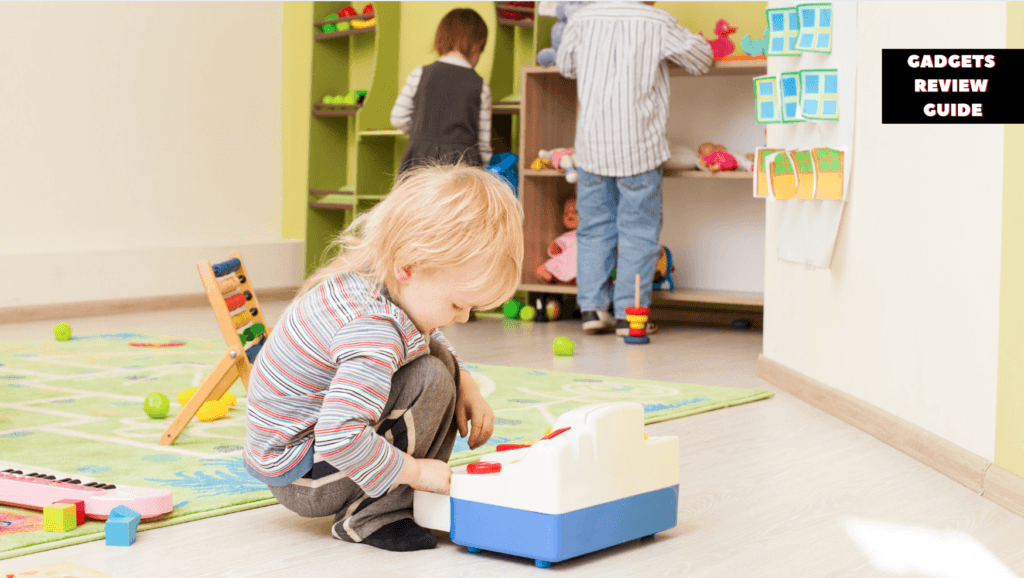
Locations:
(472, 407)
(435, 476)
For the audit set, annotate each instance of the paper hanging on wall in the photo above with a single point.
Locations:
(815, 27)
(789, 95)
(820, 174)
(761, 172)
(783, 31)
(766, 100)
(819, 94)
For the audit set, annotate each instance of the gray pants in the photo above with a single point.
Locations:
(419, 419)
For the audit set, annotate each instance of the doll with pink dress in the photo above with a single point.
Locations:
(562, 264)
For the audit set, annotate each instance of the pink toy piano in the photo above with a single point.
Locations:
(35, 490)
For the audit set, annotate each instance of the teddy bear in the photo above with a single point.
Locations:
(564, 159)
(563, 12)
(562, 264)
(715, 158)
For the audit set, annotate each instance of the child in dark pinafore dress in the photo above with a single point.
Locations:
(445, 107)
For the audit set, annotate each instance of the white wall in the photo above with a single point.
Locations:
(714, 227)
(907, 317)
(135, 137)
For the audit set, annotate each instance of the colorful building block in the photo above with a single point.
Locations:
(59, 518)
(79, 509)
(121, 526)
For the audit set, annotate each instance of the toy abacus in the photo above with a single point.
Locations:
(233, 300)
(637, 318)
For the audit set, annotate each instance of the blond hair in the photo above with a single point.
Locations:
(437, 218)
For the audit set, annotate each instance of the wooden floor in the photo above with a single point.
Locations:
(771, 488)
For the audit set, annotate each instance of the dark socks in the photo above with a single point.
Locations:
(402, 535)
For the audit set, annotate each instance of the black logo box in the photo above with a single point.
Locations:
(1001, 103)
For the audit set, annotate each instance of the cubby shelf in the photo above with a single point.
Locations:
(548, 113)
(511, 8)
(524, 23)
(339, 33)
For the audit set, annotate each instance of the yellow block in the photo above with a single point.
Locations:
(638, 325)
(636, 318)
(212, 410)
(241, 319)
(60, 518)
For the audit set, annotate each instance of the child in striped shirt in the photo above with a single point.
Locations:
(356, 397)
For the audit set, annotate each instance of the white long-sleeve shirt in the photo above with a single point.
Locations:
(618, 54)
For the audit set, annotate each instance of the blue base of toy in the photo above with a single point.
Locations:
(637, 340)
(551, 538)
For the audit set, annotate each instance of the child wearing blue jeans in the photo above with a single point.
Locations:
(618, 54)
(356, 397)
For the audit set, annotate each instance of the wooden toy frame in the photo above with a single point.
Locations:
(235, 363)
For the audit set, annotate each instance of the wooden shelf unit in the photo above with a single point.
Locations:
(548, 120)
(340, 33)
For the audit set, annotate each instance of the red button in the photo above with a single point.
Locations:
(484, 468)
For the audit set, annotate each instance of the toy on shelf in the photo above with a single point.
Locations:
(233, 300)
(637, 318)
(368, 9)
(121, 526)
(563, 159)
(663, 271)
(39, 490)
(506, 13)
(563, 346)
(715, 158)
(682, 158)
(562, 251)
(62, 332)
(755, 47)
(596, 480)
(563, 12)
(505, 165)
(721, 46)
(368, 23)
(540, 164)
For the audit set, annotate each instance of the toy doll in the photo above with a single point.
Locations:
(562, 264)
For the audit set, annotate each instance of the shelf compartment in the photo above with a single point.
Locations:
(511, 8)
(340, 33)
(320, 23)
(524, 23)
(341, 199)
(320, 109)
(679, 295)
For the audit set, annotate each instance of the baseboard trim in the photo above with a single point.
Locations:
(963, 466)
(27, 313)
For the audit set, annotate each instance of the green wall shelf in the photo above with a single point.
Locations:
(354, 153)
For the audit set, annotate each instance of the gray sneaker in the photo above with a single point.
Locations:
(622, 327)
(597, 322)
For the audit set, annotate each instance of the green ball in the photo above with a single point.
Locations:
(512, 308)
(563, 346)
(346, 25)
(329, 27)
(529, 313)
(156, 405)
(62, 332)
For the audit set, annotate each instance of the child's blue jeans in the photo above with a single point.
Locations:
(621, 213)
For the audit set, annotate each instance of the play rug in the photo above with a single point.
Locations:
(74, 409)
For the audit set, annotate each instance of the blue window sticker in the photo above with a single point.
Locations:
(790, 109)
(767, 109)
(778, 22)
(794, 22)
(808, 17)
(831, 84)
(789, 86)
(828, 108)
(811, 84)
(823, 40)
(810, 107)
(825, 20)
(765, 88)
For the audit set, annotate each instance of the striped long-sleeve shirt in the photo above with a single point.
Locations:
(321, 382)
(401, 112)
(618, 53)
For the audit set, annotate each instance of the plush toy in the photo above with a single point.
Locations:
(683, 158)
(562, 264)
(749, 165)
(564, 159)
(715, 158)
(721, 46)
(563, 12)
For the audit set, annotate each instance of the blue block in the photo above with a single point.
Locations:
(641, 340)
(122, 522)
(550, 538)
(229, 266)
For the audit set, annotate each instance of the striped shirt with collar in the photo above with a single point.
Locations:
(401, 113)
(618, 54)
(321, 382)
